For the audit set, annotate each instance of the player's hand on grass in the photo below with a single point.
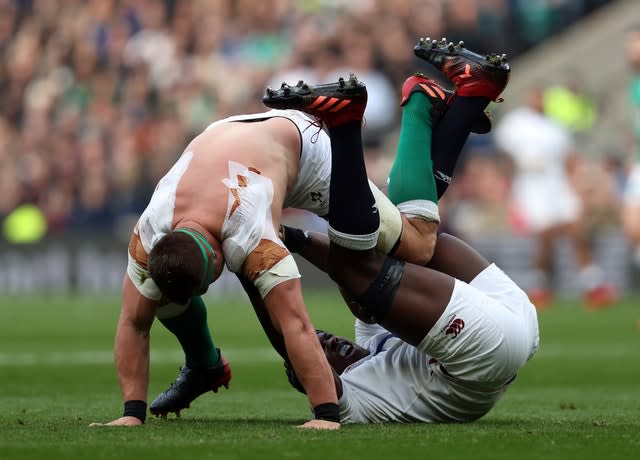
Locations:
(320, 425)
(122, 421)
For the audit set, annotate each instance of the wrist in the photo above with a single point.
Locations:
(327, 411)
(295, 239)
(135, 408)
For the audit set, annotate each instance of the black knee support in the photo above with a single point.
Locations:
(376, 300)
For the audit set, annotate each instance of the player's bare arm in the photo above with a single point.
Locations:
(277, 341)
(132, 352)
(289, 317)
(259, 307)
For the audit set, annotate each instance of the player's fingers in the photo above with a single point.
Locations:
(122, 421)
(320, 425)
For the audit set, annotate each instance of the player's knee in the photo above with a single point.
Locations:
(424, 250)
(353, 270)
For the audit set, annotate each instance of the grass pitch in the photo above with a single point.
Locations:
(579, 398)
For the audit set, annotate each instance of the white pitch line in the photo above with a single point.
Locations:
(265, 354)
(84, 358)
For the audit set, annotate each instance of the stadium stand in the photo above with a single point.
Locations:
(97, 97)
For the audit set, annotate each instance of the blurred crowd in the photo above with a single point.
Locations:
(99, 97)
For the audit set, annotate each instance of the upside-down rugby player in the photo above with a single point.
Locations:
(461, 368)
(450, 337)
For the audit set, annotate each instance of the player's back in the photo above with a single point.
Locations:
(268, 148)
(198, 187)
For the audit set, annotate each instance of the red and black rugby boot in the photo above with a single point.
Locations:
(333, 103)
(472, 74)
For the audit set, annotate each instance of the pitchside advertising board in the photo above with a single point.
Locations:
(90, 266)
(96, 266)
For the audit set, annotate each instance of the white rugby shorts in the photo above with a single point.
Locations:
(487, 332)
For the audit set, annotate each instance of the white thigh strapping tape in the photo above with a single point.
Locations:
(422, 209)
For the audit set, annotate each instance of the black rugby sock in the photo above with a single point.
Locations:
(450, 135)
(352, 207)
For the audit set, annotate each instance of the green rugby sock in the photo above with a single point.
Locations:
(411, 176)
(193, 333)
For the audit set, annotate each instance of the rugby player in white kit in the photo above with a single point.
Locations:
(464, 362)
(437, 343)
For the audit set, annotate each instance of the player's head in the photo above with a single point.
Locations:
(183, 264)
(340, 353)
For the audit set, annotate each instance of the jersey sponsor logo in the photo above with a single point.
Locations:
(454, 327)
(317, 197)
(443, 177)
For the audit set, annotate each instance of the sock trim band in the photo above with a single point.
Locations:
(356, 242)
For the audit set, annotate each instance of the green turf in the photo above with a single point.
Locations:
(578, 398)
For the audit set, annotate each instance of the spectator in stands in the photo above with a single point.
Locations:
(542, 151)
(118, 68)
(631, 205)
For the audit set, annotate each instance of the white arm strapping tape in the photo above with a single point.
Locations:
(141, 279)
(284, 270)
(248, 218)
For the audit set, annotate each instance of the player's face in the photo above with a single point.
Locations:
(340, 352)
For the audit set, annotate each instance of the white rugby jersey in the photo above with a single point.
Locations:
(310, 192)
(398, 382)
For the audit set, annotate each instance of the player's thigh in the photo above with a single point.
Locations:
(419, 301)
(406, 299)
(478, 340)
